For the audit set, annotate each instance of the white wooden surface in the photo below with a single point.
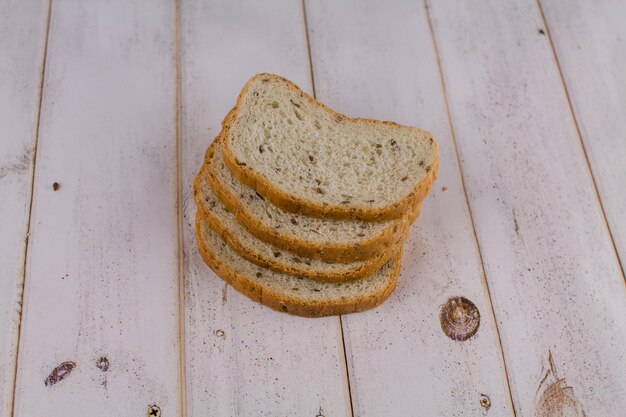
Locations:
(555, 281)
(23, 27)
(401, 365)
(242, 358)
(102, 266)
(590, 43)
(134, 91)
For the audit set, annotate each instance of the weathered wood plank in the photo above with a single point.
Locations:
(589, 39)
(556, 286)
(102, 269)
(23, 28)
(242, 358)
(376, 59)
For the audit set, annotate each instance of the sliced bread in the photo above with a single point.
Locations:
(328, 240)
(306, 158)
(289, 293)
(264, 254)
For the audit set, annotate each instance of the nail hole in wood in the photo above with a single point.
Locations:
(103, 363)
(154, 411)
(485, 402)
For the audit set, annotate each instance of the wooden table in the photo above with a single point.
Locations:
(106, 108)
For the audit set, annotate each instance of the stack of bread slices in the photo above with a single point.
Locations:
(306, 210)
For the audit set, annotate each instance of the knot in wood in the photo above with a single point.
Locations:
(459, 318)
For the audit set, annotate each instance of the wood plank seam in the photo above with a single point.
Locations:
(308, 45)
(347, 368)
(30, 206)
(179, 212)
(469, 209)
(343, 339)
(579, 134)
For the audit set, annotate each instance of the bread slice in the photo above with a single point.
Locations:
(264, 254)
(290, 293)
(306, 158)
(328, 240)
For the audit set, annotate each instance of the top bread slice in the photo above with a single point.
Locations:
(306, 158)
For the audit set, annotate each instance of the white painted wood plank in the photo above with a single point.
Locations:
(590, 42)
(242, 358)
(556, 286)
(23, 27)
(102, 267)
(376, 59)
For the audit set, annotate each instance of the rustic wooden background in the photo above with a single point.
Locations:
(115, 102)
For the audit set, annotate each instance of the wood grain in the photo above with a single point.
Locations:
(101, 316)
(23, 28)
(589, 39)
(243, 358)
(100, 325)
(556, 286)
(375, 59)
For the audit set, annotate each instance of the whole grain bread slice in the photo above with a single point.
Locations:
(264, 254)
(342, 241)
(306, 158)
(290, 293)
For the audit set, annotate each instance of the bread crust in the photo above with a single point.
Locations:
(295, 204)
(333, 252)
(289, 304)
(360, 270)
